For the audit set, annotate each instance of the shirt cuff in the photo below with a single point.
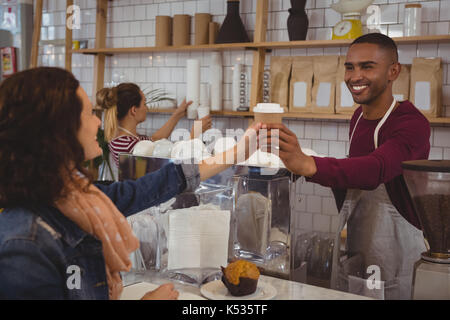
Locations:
(322, 174)
(191, 175)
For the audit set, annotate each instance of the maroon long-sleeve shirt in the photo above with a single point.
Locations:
(404, 136)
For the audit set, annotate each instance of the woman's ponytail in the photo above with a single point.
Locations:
(107, 100)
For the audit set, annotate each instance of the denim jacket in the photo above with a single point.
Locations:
(44, 255)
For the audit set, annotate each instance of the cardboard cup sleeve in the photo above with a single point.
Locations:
(268, 117)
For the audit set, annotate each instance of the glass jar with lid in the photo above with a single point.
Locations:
(412, 20)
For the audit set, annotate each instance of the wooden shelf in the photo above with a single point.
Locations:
(441, 120)
(346, 42)
(316, 116)
(171, 110)
(213, 113)
(232, 113)
(423, 39)
(292, 115)
(258, 45)
(210, 47)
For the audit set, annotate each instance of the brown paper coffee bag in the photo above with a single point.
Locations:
(323, 91)
(400, 87)
(300, 87)
(426, 85)
(280, 73)
(344, 99)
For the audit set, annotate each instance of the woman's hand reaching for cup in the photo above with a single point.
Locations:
(206, 123)
(284, 143)
(165, 131)
(245, 147)
(248, 144)
(163, 292)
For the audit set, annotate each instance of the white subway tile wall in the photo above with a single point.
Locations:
(132, 24)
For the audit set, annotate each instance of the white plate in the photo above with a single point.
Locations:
(216, 290)
(138, 290)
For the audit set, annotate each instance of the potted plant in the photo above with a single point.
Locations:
(104, 157)
(156, 96)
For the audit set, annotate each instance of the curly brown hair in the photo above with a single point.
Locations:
(40, 116)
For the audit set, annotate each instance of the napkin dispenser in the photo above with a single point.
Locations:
(194, 234)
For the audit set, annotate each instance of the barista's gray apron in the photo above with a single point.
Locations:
(378, 238)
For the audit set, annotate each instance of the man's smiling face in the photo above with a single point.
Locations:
(367, 71)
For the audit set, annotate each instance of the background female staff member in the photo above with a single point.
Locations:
(382, 227)
(125, 107)
(54, 218)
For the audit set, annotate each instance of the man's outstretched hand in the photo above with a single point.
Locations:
(280, 138)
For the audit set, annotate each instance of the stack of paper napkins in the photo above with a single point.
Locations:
(198, 237)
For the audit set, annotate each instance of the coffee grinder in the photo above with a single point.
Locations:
(428, 182)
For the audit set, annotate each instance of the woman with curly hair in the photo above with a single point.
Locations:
(55, 220)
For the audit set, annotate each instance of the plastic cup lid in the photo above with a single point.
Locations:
(268, 108)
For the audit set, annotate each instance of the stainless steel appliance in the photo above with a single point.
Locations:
(428, 183)
(262, 219)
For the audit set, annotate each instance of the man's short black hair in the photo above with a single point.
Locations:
(380, 40)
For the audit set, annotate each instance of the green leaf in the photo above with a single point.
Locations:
(157, 95)
(104, 146)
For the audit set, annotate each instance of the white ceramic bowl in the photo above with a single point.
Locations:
(190, 149)
(163, 148)
(144, 148)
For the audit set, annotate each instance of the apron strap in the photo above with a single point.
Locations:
(377, 129)
(383, 120)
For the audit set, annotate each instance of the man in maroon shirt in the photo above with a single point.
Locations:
(382, 227)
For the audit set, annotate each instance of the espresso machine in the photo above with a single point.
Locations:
(428, 182)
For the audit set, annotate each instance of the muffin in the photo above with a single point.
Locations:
(240, 277)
